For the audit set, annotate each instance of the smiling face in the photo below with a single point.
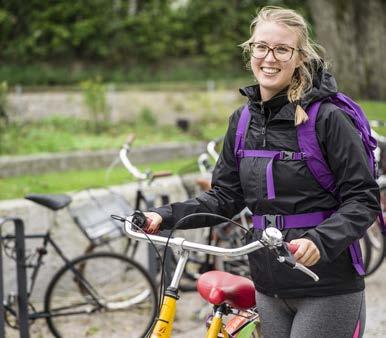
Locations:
(273, 75)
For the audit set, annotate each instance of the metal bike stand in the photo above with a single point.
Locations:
(22, 296)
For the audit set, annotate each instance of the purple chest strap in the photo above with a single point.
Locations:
(273, 155)
(307, 220)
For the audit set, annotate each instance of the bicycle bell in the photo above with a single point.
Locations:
(272, 236)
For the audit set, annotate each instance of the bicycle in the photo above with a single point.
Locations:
(229, 294)
(91, 213)
(85, 293)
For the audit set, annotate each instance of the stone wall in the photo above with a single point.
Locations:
(124, 105)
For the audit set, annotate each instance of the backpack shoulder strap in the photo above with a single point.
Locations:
(240, 132)
(308, 144)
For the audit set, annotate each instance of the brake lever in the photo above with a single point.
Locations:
(285, 256)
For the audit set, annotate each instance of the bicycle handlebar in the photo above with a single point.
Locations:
(183, 244)
(211, 147)
(147, 176)
(273, 238)
(126, 162)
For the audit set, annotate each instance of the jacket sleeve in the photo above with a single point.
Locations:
(225, 197)
(357, 188)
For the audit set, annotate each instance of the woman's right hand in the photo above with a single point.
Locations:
(153, 223)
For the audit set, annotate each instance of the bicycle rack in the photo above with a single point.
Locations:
(22, 297)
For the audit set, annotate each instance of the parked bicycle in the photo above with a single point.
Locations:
(91, 212)
(86, 292)
(229, 294)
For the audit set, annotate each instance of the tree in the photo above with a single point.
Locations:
(354, 35)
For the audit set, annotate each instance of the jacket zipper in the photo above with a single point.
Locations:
(264, 128)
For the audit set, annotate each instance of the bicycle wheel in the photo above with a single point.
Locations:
(375, 243)
(112, 297)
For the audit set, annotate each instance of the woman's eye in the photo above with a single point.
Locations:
(260, 47)
(282, 50)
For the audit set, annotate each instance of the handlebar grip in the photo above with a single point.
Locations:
(292, 247)
(162, 174)
(139, 219)
(130, 139)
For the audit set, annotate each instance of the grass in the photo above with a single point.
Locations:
(375, 111)
(66, 134)
(57, 134)
(18, 187)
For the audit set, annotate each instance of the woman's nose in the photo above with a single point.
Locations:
(270, 57)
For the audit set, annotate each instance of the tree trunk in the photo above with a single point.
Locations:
(353, 33)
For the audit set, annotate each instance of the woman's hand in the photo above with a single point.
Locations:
(153, 223)
(307, 254)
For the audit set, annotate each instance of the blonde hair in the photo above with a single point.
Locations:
(311, 60)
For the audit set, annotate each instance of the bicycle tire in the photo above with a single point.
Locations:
(366, 251)
(126, 302)
(375, 243)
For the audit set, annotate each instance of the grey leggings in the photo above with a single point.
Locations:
(310, 317)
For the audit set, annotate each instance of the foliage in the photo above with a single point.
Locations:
(94, 95)
(147, 117)
(110, 34)
(60, 133)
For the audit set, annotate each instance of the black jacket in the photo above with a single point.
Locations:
(272, 128)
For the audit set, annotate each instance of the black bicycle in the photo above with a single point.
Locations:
(87, 292)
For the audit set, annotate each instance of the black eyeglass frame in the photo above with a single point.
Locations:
(251, 44)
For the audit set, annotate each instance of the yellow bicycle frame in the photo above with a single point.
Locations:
(164, 325)
(216, 326)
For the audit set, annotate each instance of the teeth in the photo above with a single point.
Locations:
(270, 70)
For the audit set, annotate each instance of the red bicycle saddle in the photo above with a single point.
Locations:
(219, 287)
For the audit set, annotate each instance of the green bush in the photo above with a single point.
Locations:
(94, 95)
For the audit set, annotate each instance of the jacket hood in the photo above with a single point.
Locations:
(323, 85)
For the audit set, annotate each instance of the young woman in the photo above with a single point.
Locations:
(290, 76)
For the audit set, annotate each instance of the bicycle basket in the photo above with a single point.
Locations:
(92, 215)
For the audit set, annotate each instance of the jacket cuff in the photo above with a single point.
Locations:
(167, 216)
(314, 237)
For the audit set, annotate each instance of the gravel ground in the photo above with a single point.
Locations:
(187, 325)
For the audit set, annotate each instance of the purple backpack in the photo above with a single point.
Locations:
(310, 152)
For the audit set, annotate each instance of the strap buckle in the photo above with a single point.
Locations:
(290, 155)
(286, 155)
(240, 153)
(276, 221)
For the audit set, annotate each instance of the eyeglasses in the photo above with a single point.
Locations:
(281, 52)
